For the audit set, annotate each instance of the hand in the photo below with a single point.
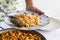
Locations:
(34, 9)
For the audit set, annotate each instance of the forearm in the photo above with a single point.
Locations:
(29, 2)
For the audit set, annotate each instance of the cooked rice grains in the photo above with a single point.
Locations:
(27, 20)
(19, 35)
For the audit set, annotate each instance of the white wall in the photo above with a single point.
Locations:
(50, 7)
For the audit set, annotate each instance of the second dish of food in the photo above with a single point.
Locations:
(19, 35)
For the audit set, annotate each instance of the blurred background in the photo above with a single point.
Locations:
(50, 7)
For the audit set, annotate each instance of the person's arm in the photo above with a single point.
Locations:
(29, 3)
(30, 6)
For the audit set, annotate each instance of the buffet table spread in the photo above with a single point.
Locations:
(49, 34)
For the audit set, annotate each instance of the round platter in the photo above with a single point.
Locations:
(44, 20)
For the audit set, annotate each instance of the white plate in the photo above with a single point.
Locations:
(53, 25)
(44, 20)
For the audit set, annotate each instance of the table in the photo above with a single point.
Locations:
(51, 35)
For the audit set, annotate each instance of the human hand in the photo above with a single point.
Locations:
(34, 9)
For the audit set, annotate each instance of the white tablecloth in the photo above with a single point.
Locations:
(51, 35)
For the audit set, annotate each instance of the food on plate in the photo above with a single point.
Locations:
(25, 20)
(19, 35)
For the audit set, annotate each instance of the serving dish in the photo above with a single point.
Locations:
(44, 20)
(31, 31)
